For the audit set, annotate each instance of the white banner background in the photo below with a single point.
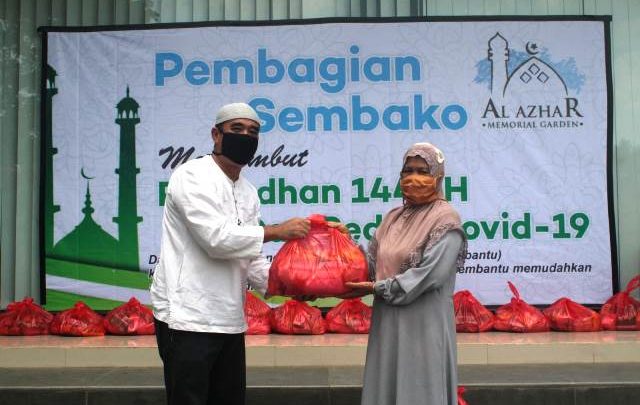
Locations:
(544, 162)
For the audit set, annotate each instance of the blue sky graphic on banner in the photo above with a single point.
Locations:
(566, 68)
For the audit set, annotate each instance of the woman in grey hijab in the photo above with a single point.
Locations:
(413, 258)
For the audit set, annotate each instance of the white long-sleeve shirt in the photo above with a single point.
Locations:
(211, 246)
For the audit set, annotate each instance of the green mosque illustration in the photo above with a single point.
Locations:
(88, 242)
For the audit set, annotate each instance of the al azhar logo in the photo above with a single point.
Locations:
(528, 89)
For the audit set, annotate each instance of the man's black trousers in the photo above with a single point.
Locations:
(202, 368)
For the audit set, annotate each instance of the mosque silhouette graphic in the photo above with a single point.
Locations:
(534, 77)
(88, 243)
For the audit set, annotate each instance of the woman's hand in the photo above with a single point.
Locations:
(359, 289)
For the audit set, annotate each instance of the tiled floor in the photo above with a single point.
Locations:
(331, 350)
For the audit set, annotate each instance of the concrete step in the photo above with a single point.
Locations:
(330, 350)
(551, 384)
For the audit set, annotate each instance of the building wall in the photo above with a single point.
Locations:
(20, 102)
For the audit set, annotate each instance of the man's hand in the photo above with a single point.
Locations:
(339, 226)
(294, 228)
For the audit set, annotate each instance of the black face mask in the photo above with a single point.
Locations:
(238, 148)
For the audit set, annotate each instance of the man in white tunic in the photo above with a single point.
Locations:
(211, 247)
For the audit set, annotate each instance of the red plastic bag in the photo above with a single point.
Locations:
(621, 312)
(518, 316)
(77, 321)
(297, 318)
(258, 315)
(318, 264)
(25, 318)
(471, 315)
(461, 400)
(130, 318)
(350, 316)
(569, 316)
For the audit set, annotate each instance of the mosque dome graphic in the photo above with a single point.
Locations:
(531, 77)
(88, 242)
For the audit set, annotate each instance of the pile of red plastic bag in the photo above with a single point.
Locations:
(471, 316)
(568, 316)
(258, 315)
(130, 318)
(78, 321)
(620, 312)
(299, 318)
(518, 316)
(350, 316)
(25, 318)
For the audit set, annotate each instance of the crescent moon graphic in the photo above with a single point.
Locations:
(84, 175)
(532, 48)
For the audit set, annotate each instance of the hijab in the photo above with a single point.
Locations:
(408, 231)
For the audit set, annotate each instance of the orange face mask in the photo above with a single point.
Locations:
(419, 189)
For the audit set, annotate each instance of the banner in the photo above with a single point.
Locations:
(519, 109)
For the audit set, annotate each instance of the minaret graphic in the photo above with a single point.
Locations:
(50, 208)
(127, 171)
(498, 55)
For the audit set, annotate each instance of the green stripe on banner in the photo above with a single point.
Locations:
(98, 274)
(59, 301)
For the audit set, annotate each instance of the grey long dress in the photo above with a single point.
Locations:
(411, 355)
